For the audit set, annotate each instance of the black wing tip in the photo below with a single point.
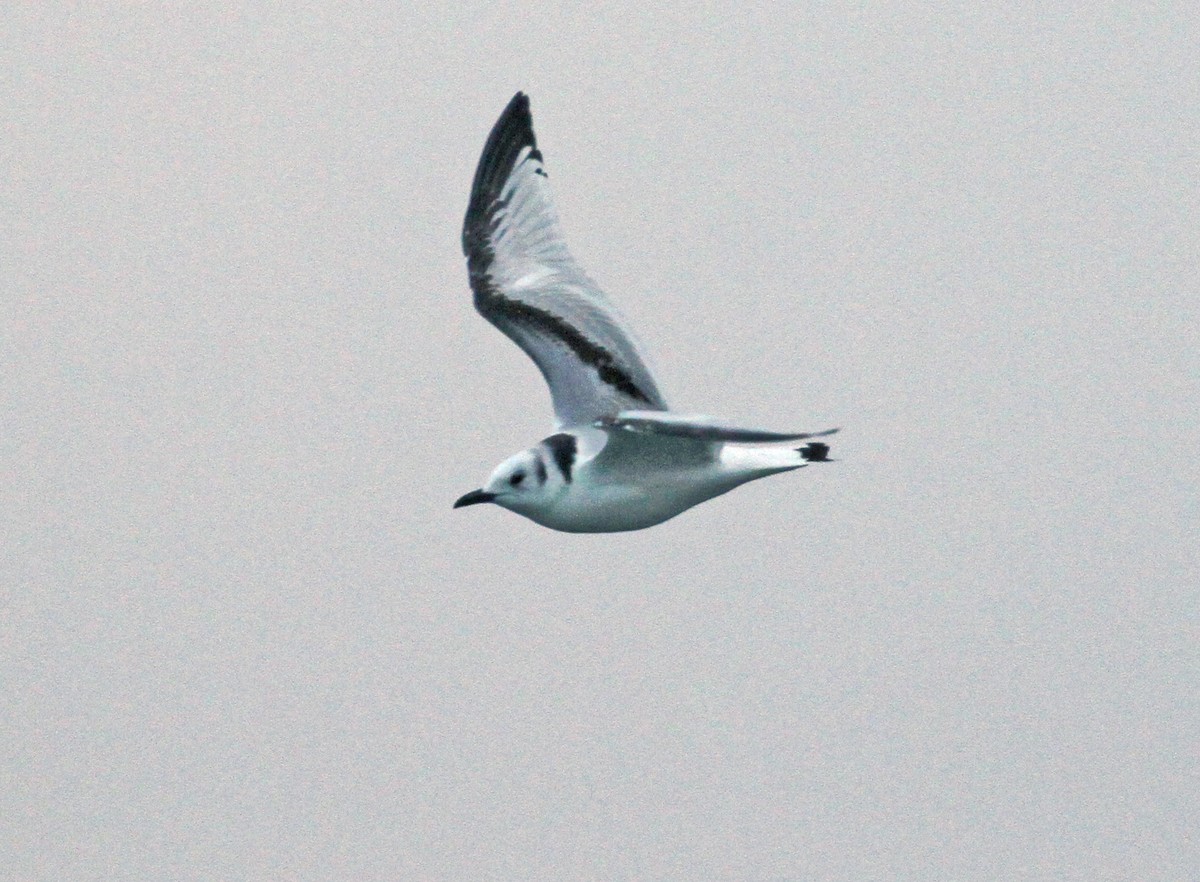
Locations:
(518, 102)
(512, 132)
(515, 120)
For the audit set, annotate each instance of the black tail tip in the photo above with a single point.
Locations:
(814, 451)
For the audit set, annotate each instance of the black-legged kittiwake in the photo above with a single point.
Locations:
(619, 460)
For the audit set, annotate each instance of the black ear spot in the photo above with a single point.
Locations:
(517, 478)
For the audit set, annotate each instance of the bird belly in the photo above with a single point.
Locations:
(605, 507)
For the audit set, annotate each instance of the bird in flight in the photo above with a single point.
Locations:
(620, 460)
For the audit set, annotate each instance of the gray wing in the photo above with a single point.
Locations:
(527, 284)
(639, 457)
(700, 428)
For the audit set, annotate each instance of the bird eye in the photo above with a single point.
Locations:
(517, 478)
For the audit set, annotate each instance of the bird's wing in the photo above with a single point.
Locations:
(527, 284)
(639, 457)
(700, 428)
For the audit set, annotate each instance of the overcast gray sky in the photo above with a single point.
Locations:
(243, 636)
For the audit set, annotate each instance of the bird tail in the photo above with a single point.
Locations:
(814, 451)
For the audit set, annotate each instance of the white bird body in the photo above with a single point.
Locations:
(602, 499)
(612, 506)
(621, 460)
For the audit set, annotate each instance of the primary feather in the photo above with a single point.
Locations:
(527, 284)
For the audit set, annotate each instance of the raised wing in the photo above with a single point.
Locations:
(700, 428)
(527, 284)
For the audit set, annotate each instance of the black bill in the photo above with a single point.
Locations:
(474, 498)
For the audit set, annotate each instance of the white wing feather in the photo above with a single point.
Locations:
(700, 428)
(527, 284)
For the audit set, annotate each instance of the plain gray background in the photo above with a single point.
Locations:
(243, 635)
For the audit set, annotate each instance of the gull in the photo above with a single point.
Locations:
(620, 459)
